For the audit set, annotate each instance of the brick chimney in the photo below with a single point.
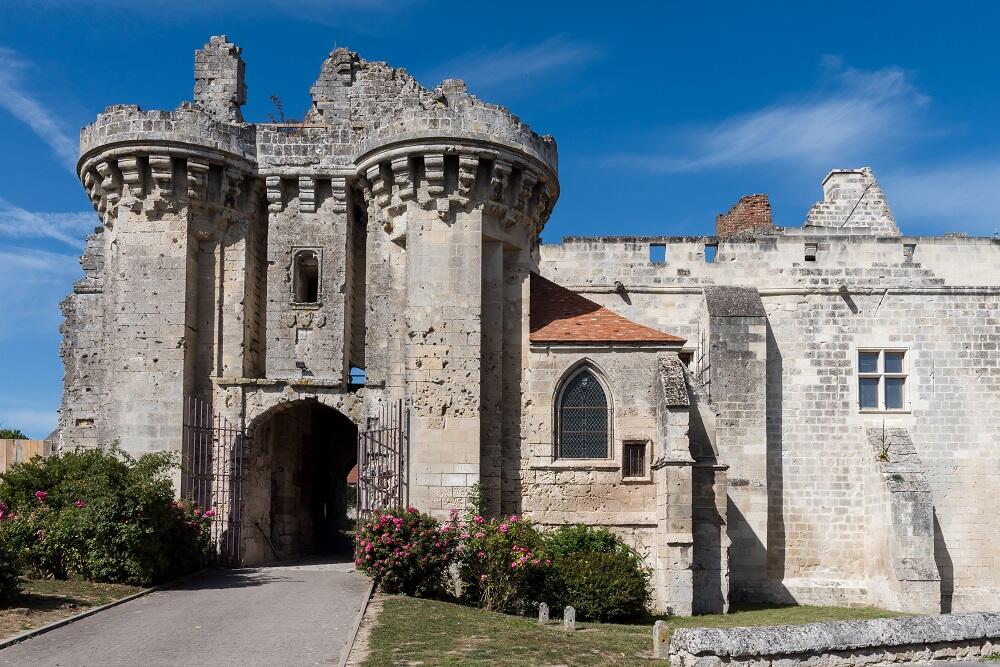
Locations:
(752, 213)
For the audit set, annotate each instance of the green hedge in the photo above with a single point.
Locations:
(10, 568)
(597, 573)
(102, 515)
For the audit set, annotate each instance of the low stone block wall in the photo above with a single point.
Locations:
(885, 641)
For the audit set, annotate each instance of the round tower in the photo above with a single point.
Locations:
(376, 250)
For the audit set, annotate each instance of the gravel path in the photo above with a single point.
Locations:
(290, 615)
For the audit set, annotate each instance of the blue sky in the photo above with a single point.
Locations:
(665, 113)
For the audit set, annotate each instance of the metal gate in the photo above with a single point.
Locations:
(212, 473)
(383, 450)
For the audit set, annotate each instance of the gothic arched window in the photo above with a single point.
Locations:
(583, 417)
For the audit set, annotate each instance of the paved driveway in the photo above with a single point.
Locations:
(291, 615)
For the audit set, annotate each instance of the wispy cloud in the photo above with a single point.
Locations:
(68, 228)
(850, 113)
(958, 195)
(32, 283)
(491, 68)
(25, 106)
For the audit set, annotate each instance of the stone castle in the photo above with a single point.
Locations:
(804, 414)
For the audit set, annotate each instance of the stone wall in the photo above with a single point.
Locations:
(940, 301)
(554, 491)
(886, 641)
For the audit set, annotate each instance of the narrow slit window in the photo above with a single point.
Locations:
(306, 276)
(658, 253)
(810, 254)
(634, 459)
(908, 250)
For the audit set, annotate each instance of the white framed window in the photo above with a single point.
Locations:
(882, 379)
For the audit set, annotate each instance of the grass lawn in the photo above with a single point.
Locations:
(43, 601)
(426, 632)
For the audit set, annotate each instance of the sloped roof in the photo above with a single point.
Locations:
(559, 315)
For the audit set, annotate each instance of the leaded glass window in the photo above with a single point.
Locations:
(583, 418)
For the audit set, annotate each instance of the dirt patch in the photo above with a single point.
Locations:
(359, 652)
(46, 601)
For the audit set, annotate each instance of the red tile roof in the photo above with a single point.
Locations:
(559, 315)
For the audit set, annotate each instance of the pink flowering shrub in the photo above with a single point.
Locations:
(101, 515)
(405, 551)
(503, 563)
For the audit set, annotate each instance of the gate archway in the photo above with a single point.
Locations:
(295, 486)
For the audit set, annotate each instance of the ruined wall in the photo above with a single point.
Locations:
(751, 214)
(938, 298)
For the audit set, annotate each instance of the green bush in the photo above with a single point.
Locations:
(405, 551)
(10, 564)
(503, 563)
(574, 538)
(597, 573)
(104, 516)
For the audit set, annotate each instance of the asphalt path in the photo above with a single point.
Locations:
(285, 615)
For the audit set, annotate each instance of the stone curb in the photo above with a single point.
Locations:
(345, 653)
(17, 639)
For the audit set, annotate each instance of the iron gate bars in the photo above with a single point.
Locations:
(212, 473)
(382, 456)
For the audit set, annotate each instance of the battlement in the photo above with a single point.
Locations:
(363, 114)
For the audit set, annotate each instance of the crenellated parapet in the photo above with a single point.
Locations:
(510, 188)
(153, 176)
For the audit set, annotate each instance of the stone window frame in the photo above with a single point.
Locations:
(647, 454)
(881, 375)
(296, 252)
(564, 381)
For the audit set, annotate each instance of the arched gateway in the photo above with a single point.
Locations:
(279, 487)
(295, 484)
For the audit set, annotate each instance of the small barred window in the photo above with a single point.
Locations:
(583, 418)
(634, 459)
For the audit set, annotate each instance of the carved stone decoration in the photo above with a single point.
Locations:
(434, 173)
(131, 176)
(467, 167)
(499, 179)
(231, 187)
(402, 179)
(338, 186)
(307, 194)
(378, 185)
(305, 319)
(527, 187)
(273, 184)
(162, 169)
(197, 180)
(109, 183)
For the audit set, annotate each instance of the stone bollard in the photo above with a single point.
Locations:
(569, 619)
(543, 614)
(661, 645)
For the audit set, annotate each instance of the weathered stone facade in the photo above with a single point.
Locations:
(300, 276)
